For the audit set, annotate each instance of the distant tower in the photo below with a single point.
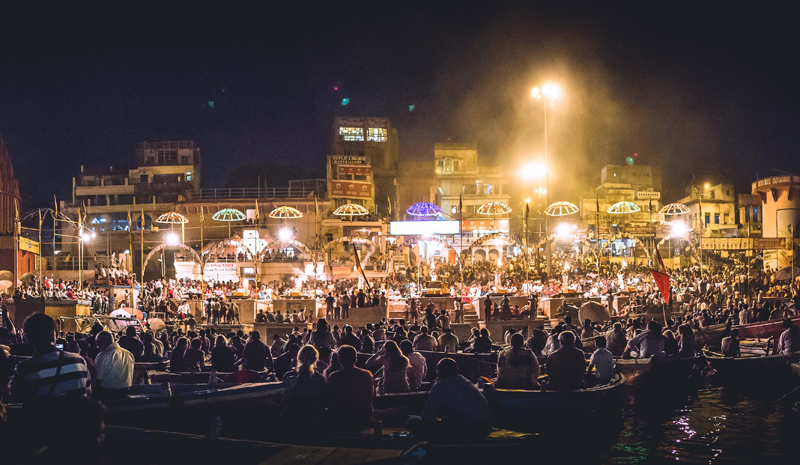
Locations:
(9, 192)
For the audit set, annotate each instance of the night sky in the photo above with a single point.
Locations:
(710, 92)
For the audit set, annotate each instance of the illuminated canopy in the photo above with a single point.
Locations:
(229, 214)
(424, 209)
(621, 208)
(674, 209)
(561, 209)
(285, 213)
(494, 209)
(351, 209)
(172, 218)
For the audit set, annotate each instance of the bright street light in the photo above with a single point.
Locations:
(550, 91)
(564, 230)
(533, 171)
(285, 234)
(679, 229)
(172, 239)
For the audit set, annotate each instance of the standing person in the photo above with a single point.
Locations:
(361, 298)
(346, 301)
(50, 372)
(616, 340)
(114, 368)
(517, 367)
(329, 301)
(384, 303)
(487, 308)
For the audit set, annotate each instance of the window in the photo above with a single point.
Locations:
(376, 134)
(168, 157)
(708, 218)
(716, 218)
(755, 214)
(747, 214)
(447, 165)
(712, 194)
(726, 218)
(351, 134)
(188, 176)
(143, 178)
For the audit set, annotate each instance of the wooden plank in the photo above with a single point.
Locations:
(382, 454)
(300, 454)
(344, 456)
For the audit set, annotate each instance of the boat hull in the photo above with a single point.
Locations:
(752, 369)
(541, 411)
(658, 371)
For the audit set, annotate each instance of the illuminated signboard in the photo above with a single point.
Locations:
(422, 228)
(485, 225)
(351, 189)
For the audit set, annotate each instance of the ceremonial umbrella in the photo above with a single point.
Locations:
(561, 209)
(172, 218)
(621, 208)
(494, 209)
(350, 210)
(285, 213)
(674, 209)
(229, 215)
(424, 209)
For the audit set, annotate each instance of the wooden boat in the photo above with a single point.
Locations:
(658, 371)
(712, 335)
(529, 410)
(751, 367)
(200, 377)
(796, 368)
(198, 398)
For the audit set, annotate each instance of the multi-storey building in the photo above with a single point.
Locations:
(712, 209)
(372, 142)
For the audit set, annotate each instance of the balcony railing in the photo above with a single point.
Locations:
(253, 193)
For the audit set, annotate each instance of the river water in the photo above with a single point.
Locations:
(710, 424)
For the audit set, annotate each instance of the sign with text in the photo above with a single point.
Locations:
(350, 170)
(348, 160)
(484, 225)
(219, 268)
(743, 243)
(648, 195)
(351, 189)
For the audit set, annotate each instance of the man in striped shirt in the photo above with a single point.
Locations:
(51, 372)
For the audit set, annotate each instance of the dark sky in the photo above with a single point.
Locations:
(705, 90)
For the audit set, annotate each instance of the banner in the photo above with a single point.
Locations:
(662, 281)
(359, 268)
(350, 189)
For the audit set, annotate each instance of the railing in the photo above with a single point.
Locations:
(252, 193)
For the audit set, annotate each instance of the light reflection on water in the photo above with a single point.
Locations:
(710, 425)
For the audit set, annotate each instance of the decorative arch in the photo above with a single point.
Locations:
(489, 237)
(691, 244)
(625, 236)
(180, 246)
(583, 240)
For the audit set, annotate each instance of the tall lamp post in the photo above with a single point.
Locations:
(700, 222)
(548, 93)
